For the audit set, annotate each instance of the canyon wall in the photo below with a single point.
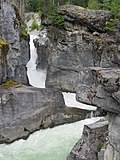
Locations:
(16, 55)
(84, 57)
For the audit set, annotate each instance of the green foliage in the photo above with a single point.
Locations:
(28, 17)
(23, 32)
(110, 25)
(99, 147)
(115, 7)
(3, 43)
(39, 13)
(32, 5)
(54, 18)
(43, 5)
(10, 84)
(35, 25)
(93, 4)
(105, 5)
(112, 5)
(4, 46)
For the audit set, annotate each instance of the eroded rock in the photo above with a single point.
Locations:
(11, 19)
(92, 141)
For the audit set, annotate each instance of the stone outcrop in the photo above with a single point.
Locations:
(92, 141)
(11, 20)
(94, 20)
(85, 58)
(100, 87)
(41, 44)
(78, 46)
(26, 109)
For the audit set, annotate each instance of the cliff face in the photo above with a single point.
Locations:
(86, 59)
(84, 44)
(17, 56)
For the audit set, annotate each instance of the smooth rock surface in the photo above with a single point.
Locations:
(26, 109)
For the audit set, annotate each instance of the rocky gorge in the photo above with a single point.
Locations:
(24, 109)
(84, 58)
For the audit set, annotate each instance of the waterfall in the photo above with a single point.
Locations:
(36, 78)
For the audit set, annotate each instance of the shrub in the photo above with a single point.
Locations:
(39, 13)
(28, 17)
(99, 147)
(35, 25)
(111, 24)
(23, 32)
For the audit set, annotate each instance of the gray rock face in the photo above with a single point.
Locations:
(24, 110)
(72, 50)
(66, 56)
(111, 153)
(114, 130)
(18, 54)
(93, 19)
(86, 60)
(93, 139)
(42, 50)
(99, 87)
(3, 62)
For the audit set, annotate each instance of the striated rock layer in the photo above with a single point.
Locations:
(83, 43)
(11, 22)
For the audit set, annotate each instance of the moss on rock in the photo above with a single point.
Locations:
(4, 46)
(11, 84)
(23, 32)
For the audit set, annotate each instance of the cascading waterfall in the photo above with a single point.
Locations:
(36, 78)
(48, 144)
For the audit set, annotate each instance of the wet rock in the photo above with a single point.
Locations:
(92, 141)
(41, 44)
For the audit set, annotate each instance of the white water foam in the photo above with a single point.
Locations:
(49, 144)
(36, 78)
(70, 101)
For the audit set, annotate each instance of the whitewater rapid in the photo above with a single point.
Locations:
(49, 144)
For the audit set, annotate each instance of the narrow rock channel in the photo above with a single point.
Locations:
(52, 144)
